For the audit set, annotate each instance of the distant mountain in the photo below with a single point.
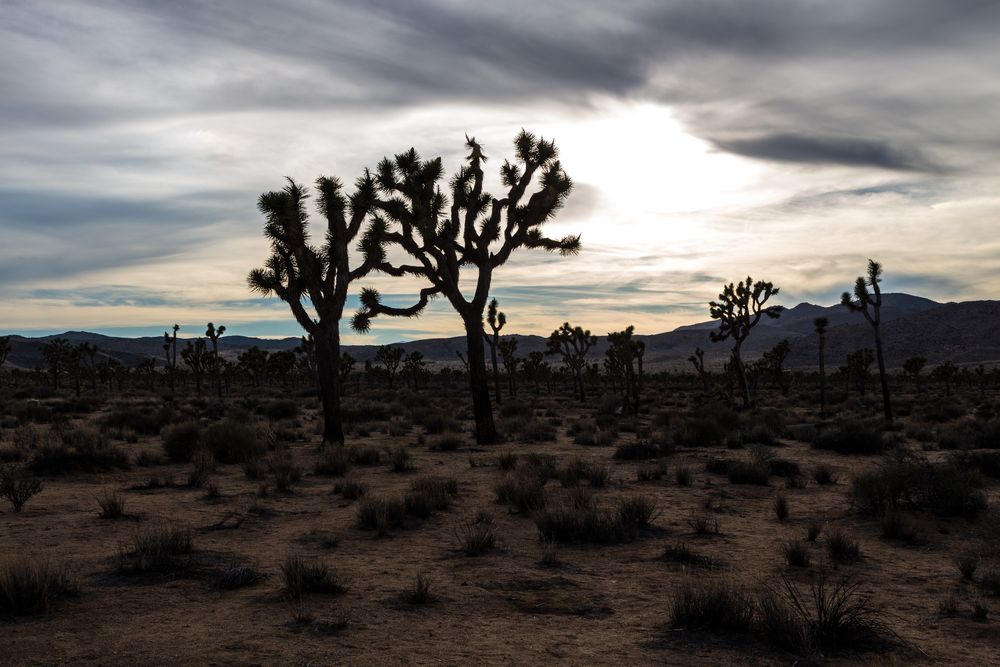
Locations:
(964, 333)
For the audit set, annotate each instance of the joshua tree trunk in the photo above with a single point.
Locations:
(486, 433)
(328, 374)
(822, 375)
(741, 372)
(886, 403)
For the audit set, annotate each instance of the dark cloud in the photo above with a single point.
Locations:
(849, 152)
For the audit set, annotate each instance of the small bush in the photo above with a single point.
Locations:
(989, 582)
(506, 460)
(285, 471)
(420, 592)
(181, 441)
(944, 489)
(477, 536)
(364, 456)
(238, 576)
(30, 586)
(79, 450)
(301, 576)
(380, 514)
(823, 475)
(400, 459)
(17, 488)
(334, 461)
(523, 489)
(279, 409)
(448, 442)
(781, 508)
(428, 495)
(350, 488)
(712, 605)
(639, 450)
(681, 552)
(682, 476)
(851, 438)
(202, 466)
(896, 526)
(578, 470)
(967, 565)
(158, 549)
(704, 525)
(648, 473)
(144, 421)
(112, 505)
(796, 554)
(748, 472)
(813, 530)
(636, 512)
(232, 442)
(842, 549)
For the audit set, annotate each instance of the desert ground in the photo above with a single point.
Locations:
(231, 535)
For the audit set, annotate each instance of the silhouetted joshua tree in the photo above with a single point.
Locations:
(4, 352)
(147, 368)
(197, 357)
(347, 364)
(170, 352)
(739, 309)
(773, 363)
(625, 354)
(214, 334)
(869, 304)
(698, 361)
(56, 354)
(945, 372)
(300, 272)
(86, 354)
(535, 367)
(820, 325)
(415, 367)
(389, 357)
(913, 367)
(859, 364)
(507, 347)
(572, 343)
(477, 232)
(496, 319)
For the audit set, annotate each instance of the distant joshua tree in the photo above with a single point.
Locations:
(698, 361)
(415, 367)
(214, 334)
(739, 309)
(86, 360)
(347, 364)
(4, 351)
(535, 368)
(496, 319)
(820, 324)
(913, 367)
(859, 364)
(56, 354)
(197, 357)
(625, 354)
(478, 232)
(508, 355)
(254, 363)
(302, 273)
(869, 304)
(389, 357)
(572, 343)
(945, 373)
(170, 352)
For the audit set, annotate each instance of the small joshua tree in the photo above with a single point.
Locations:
(477, 232)
(507, 347)
(496, 319)
(913, 367)
(869, 304)
(389, 358)
(415, 367)
(214, 334)
(773, 363)
(4, 351)
(945, 372)
(535, 367)
(197, 357)
(57, 355)
(254, 363)
(572, 343)
(625, 355)
(170, 352)
(698, 361)
(859, 364)
(820, 325)
(739, 308)
(302, 273)
(347, 364)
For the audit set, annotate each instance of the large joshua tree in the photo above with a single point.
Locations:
(475, 231)
(869, 304)
(739, 308)
(304, 274)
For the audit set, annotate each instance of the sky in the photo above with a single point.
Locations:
(708, 140)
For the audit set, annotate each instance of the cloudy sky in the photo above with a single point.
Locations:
(708, 139)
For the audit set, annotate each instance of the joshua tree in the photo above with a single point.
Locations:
(913, 367)
(254, 363)
(625, 354)
(300, 272)
(870, 305)
(214, 334)
(281, 364)
(477, 232)
(773, 363)
(170, 351)
(859, 364)
(535, 367)
(389, 357)
(86, 355)
(820, 325)
(738, 310)
(698, 361)
(496, 319)
(572, 343)
(147, 367)
(197, 357)
(4, 351)
(414, 365)
(347, 363)
(57, 355)
(508, 355)
(945, 372)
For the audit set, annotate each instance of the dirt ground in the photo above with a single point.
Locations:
(599, 604)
